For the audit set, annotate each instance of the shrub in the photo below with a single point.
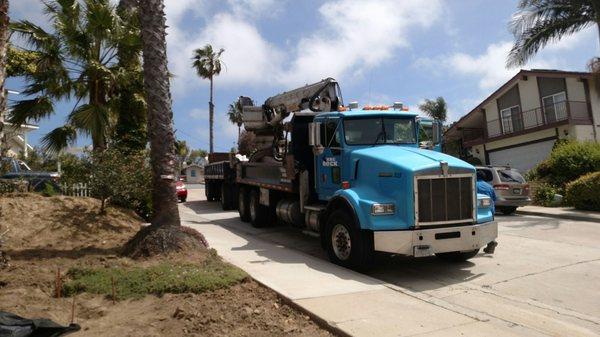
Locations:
(123, 179)
(568, 161)
(584, 193)
(543, 194)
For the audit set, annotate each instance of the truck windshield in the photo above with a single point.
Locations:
(380, 130)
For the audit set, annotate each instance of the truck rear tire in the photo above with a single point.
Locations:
(226, 197)
(457, 256)
(244, 204)
(346, 244)
(259, 214)
(210, 191)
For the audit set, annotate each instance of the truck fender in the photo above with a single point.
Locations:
(335, 203)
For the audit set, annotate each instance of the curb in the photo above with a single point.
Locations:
(560, 216)
(321, 322)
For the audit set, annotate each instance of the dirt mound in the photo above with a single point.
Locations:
(61, 223)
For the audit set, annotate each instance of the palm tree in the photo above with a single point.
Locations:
(77, 62)
(130, 131)
(208, 65)
(436, 109)
(235, 115)
(4, 20)
(538, 22)
(165, 234)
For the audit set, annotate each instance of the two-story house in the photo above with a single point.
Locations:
(518, 124)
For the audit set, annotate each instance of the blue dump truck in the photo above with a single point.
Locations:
(359, 178)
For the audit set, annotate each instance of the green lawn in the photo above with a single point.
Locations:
(136, 282)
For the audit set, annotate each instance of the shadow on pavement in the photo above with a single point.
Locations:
(420, 274)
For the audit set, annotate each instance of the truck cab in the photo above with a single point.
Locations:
(384, 192)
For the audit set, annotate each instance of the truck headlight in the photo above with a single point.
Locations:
(485, 202)
(383, 209)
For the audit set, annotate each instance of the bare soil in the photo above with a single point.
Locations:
(50, 234)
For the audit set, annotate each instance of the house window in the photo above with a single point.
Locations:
(555, 107)
(193, 173)
(511, 119)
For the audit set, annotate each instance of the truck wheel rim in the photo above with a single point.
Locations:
(341, 242)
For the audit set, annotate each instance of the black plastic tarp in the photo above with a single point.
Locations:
(12, 325)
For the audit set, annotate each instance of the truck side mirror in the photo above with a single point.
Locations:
(314, 134)
(436, 132)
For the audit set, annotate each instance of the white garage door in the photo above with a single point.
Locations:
(523, 158)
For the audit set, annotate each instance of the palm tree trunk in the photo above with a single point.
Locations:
(4, 20)
(160, 115)
(211, 116)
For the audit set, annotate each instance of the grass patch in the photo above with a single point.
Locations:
(165, 277)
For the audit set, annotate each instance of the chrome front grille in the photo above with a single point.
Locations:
(444, 199)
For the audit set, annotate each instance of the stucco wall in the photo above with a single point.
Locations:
(480, 155)
(521, 139)
(575, 90)
(595, 102)
(530, 98)
(581, 132)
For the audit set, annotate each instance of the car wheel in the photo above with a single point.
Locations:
(507, 210)
(182, 199)
(457, 256)
(259, 214)
(346, 244)
(243, 204)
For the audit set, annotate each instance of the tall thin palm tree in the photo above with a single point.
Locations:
(538, 22)
(235, 115)
(4, 31)
(160, 115)
(436, 109)
(77, 62)
(208, 64)
(166, 233)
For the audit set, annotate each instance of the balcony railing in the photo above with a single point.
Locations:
(571, 111)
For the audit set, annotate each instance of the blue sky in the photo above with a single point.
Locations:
(380, 51)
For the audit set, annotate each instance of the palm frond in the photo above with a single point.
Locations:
(92, 120)
(539, 22)
(206, 62)
(31, 109)
(59, 139)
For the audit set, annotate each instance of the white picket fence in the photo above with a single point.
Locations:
(76, 190)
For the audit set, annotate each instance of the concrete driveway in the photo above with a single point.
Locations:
(543, 280)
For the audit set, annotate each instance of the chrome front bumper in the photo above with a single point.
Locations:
(425, 242)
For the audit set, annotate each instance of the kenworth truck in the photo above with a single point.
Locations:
(359, 178)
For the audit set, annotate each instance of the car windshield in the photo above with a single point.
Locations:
(510, 176)
(380, 130)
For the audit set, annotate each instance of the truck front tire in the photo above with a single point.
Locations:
(259, 214)
(457, 256)
(346, 244)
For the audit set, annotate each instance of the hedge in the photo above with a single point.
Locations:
(584, 193)
(567, 162)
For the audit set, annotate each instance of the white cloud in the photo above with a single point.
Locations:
(571, 41)
(354, 36)
(256, 8)
(358, 35)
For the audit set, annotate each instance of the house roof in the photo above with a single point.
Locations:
(533, 72)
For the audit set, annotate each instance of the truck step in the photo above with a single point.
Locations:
(315, 207)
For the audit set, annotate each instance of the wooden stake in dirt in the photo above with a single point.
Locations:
(73, 310)
(114, 292)
(57, 284)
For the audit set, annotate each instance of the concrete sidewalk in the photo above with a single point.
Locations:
(358, 305)
(569, 213)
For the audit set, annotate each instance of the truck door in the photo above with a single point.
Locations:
(329, 162)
